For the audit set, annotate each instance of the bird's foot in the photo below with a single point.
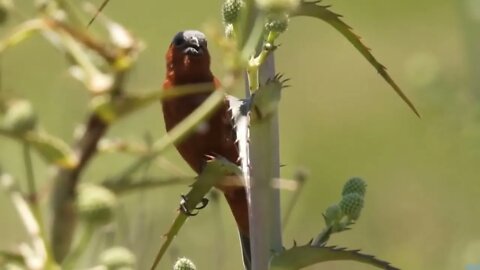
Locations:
(184, 209)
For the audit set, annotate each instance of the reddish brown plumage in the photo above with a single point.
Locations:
(216, 136)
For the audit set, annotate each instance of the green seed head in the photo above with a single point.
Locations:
(277, 23)
(351, 205)
(277, 6)
(231, 10)
(116, 258)
(184, 264)
(20, 117)
(96, 204)
(354, 185)
(333, 213)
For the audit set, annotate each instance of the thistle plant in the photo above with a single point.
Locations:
(257, 128)
(184, 264)
(102, 63)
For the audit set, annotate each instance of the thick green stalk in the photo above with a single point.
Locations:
(65, 185)
(264, 207)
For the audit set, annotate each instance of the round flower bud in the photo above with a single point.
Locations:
(20, 117)
(184, 264)
(333, 213)
(277, 6)
(116, 258)
(351, 205)
(231, 10)
(354, 185)
(277, 23)
(96, 204)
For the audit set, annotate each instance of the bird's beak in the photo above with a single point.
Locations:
(193, 41)
(193, 47)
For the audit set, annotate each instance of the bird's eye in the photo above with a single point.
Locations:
(178, 40)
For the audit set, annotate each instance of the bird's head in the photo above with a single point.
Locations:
(188, 59)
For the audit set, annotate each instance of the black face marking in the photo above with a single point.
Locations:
(191, 42)
(178, 39)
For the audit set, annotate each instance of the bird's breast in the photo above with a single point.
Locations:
(212, 137)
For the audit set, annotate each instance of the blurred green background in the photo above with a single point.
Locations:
(340, 119)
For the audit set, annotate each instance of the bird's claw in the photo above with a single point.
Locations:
(203, 204)
(184, 209)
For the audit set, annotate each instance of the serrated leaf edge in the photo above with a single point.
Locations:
(314, 9)
(341, 253)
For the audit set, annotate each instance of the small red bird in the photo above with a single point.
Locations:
(188, 62)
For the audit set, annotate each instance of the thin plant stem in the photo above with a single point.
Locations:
(214, 171)
(33, 200)
(1, 77)
(129, 185)
(256, 62)
(31, 186)
(300, 179)
(99, 10)
(2, 93)
(246, 23)
(84, 239)
(177, 133)
(172, 232)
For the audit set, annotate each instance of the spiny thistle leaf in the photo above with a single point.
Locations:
(241, 122)
(266, 98)
(214, 171)
(303, 256)
(313, 9)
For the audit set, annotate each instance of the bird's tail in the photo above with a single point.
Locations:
(237, 200)
(246, 253)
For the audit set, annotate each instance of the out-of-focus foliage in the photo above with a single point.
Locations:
(338, 119)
